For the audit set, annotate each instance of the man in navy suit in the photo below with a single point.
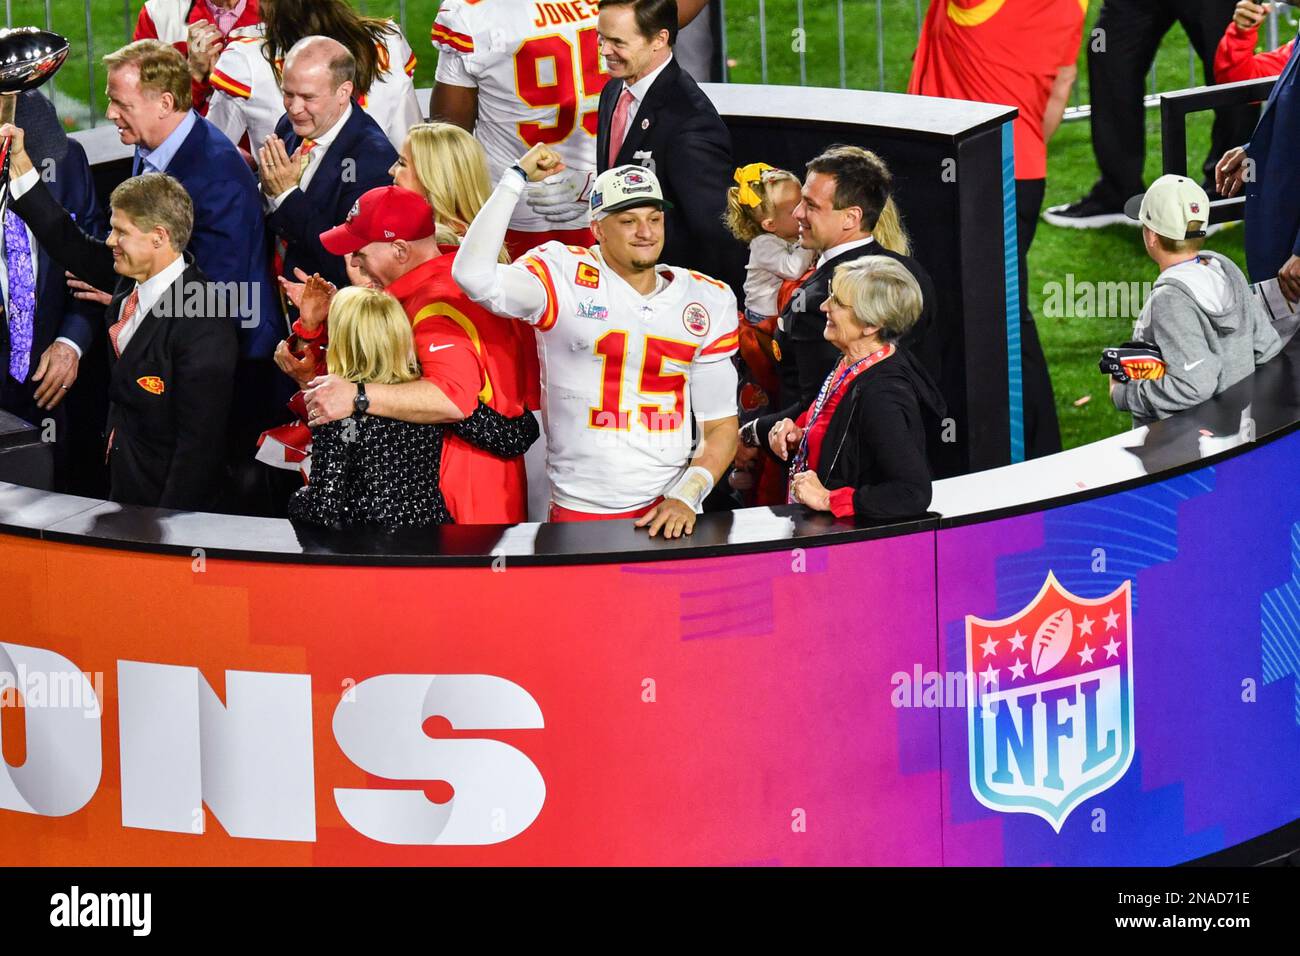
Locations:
(149, 94)
(149, 102)
(653, 114)
(325, 154)
(1272, 201)
(46, 330)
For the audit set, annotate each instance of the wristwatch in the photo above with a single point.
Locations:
(749, 434)
(361, 403)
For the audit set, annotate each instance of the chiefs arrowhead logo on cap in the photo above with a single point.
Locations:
(356, 208)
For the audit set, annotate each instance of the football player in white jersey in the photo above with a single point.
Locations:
(516, 73)
(633, 354)
(246, 96)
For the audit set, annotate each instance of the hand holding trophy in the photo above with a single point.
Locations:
(28, 57)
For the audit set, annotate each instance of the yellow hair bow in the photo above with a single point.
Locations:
(746, 177)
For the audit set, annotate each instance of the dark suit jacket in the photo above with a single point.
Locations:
(876, 441)
(1272, 201)
(680, 136)
(806, 356)
(229, 243)
(357, 161)
(170, 392)
(58, 313)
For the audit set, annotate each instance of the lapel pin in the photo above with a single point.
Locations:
(645, 124)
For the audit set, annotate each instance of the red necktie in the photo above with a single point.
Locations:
(128, 310)
(618, 128)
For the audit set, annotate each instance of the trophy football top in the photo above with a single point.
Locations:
(28, 57)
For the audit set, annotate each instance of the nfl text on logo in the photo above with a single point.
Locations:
(1051, 721)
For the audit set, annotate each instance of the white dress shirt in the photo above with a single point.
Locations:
(314, 158)
(842, 248)
(150, 291)
(640, 88)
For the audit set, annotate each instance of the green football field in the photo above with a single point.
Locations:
(1115, 254)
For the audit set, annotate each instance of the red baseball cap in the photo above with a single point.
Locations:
(383, 214)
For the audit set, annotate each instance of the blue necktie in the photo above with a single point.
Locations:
(22, 295)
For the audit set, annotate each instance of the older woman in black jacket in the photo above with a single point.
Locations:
(860, 449)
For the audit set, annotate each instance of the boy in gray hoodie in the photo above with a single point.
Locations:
(1211, 326)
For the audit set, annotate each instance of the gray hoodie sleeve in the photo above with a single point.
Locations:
(1267, 341)
(1191, 369)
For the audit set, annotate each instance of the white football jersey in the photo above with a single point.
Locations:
(246, 96)
(617, 369)
(539, 74)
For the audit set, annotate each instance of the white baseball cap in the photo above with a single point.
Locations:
(1169, 205)
(623, 187)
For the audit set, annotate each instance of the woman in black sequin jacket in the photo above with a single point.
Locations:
(381, 472)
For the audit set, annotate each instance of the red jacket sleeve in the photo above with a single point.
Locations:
(447, 359)
(1236, 59)
(842, 502)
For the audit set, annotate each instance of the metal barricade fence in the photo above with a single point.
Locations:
(97, 37)
(96, 27)
(768, 32)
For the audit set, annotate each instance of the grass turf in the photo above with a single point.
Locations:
(1108, 255)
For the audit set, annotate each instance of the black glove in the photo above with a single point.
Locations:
(1133, 360)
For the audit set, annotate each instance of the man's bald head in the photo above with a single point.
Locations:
(319, 77)
(317, 51)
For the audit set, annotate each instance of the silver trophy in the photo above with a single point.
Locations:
(28, 57)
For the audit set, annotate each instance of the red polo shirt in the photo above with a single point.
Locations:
(991, 51)
(472, 355)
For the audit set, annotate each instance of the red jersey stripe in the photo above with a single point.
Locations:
(226, 84)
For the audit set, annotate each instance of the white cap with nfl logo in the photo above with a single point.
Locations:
(623, 187)
(1169, 205)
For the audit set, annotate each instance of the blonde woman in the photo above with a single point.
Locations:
(447, 166)
(367, 470)
(859, 449)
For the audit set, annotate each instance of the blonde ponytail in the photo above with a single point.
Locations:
(889, 231)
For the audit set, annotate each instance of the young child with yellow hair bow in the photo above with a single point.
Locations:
(760, 213)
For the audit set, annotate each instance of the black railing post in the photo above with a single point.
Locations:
(1176, 106)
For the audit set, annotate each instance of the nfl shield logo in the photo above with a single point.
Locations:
(1050, 714)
